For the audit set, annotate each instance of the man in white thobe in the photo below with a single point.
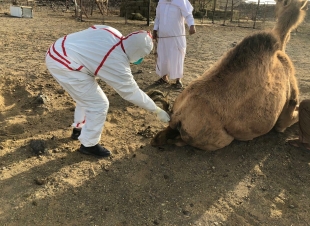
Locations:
(77, 59)
(169, 31)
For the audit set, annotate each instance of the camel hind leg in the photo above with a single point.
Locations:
(288, 117)
(289, 114)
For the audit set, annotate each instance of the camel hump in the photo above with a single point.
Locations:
(252, 50)
(257, 44)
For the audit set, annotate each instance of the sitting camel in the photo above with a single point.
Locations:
(251, 90)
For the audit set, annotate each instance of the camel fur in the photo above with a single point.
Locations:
(250, 91)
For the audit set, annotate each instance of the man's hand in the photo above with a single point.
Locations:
(154, 35)
(192, 29)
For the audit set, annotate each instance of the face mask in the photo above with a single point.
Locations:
(138, 61)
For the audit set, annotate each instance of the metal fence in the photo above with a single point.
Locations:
(221, 12)
(234, 12)
(256, 15)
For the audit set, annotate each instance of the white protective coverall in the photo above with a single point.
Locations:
(170, 26)
(75, 61)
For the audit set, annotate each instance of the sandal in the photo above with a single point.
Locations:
(161, 81)
(178, 85)
(298, 144)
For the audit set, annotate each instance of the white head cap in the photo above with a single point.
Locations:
(137, 45)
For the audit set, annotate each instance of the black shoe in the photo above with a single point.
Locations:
(96, 150)
(75, 133)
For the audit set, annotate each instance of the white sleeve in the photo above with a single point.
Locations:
(119, 77)
(190, 20)
(187, 13)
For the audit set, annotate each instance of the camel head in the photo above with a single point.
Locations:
(158, 96)
(282, 5)
(168, 135)
(294, 10)
(290, 14)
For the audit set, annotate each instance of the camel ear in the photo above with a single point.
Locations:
(304, 5)
(286, 2)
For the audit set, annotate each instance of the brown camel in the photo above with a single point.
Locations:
(251, 90)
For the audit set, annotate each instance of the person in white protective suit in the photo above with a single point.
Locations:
(169, 30)
(77, 59)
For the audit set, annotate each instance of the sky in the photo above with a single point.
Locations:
(262, 1)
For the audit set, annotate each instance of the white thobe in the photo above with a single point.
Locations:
(170, 25)
(77, 59)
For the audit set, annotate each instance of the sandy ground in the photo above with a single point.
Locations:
(260, 182)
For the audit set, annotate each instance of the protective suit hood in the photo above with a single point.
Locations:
(137, 45)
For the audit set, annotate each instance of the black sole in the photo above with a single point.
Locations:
(85, 152)
(75, 137)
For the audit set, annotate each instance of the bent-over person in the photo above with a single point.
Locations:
(77, 60)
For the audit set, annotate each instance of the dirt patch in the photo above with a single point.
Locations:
(260, 182)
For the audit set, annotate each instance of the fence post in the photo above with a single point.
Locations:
(232, 10)
(256, 14)
(225, 12)
(126, 3)
(214, 4)
(81, 13)
(265, 7)
(148, 13)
